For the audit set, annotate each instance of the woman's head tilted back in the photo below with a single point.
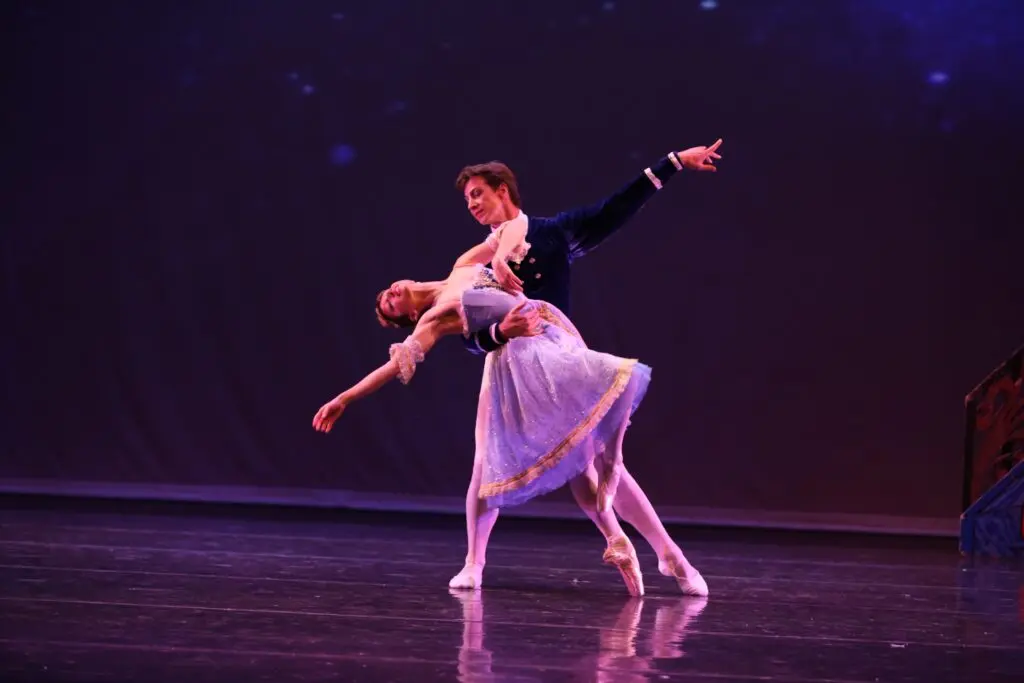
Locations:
(396, 306)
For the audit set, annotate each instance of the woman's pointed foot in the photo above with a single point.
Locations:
(689, 579)
(621, 555)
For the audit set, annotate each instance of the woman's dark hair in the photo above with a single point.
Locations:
(391, 321)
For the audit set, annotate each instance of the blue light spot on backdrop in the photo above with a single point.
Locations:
(342, 155)
(938, 77)
(708, 4)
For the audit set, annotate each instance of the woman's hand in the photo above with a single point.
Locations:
(328, 415)
(508, 280)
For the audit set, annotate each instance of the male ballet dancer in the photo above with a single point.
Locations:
(492, 197)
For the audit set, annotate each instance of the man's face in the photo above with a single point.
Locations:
(483, 201)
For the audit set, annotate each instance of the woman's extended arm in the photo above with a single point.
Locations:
(404, 357)
(504, 242)
(479, 255)
(511, 240)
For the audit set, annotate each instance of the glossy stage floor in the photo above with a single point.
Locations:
(103, 591)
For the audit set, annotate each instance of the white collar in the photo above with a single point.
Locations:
(518, 214)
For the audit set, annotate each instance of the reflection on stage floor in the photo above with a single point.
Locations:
(170, 592)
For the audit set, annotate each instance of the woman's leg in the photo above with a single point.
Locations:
(610, 473)
(620, 552)
(618, 488)
(633, 505)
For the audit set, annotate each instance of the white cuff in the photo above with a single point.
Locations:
(675, 161)
(653, 178)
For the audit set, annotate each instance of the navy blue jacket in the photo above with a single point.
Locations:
(557, 241)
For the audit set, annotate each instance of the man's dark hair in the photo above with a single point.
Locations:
(494, 174)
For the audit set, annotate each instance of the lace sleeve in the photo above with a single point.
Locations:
(406, 355)
(493, 239)
(519, 251)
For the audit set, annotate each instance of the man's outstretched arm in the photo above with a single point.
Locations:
(586, 228)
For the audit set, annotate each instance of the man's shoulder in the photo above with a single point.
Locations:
(546, 234)
(545, 229)
(543, 222)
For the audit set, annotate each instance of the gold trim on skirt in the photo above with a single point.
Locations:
(577, 435)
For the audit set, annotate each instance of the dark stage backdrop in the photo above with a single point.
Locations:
(202, 199)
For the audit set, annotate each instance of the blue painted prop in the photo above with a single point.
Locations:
(992, 522)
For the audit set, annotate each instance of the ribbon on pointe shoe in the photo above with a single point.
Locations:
(693, 584)
(621, 555)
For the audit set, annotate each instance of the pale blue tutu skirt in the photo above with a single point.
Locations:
(548, 405)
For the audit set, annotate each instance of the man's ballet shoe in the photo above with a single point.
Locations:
(470, 578)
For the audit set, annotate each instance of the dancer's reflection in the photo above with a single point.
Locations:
(625, 651)
(474, 659)
(670, 624)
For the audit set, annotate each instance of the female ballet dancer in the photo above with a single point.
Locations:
(550, 412)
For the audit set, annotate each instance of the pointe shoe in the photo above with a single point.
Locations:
(690, 581)
(621, 555)
(470, 578)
